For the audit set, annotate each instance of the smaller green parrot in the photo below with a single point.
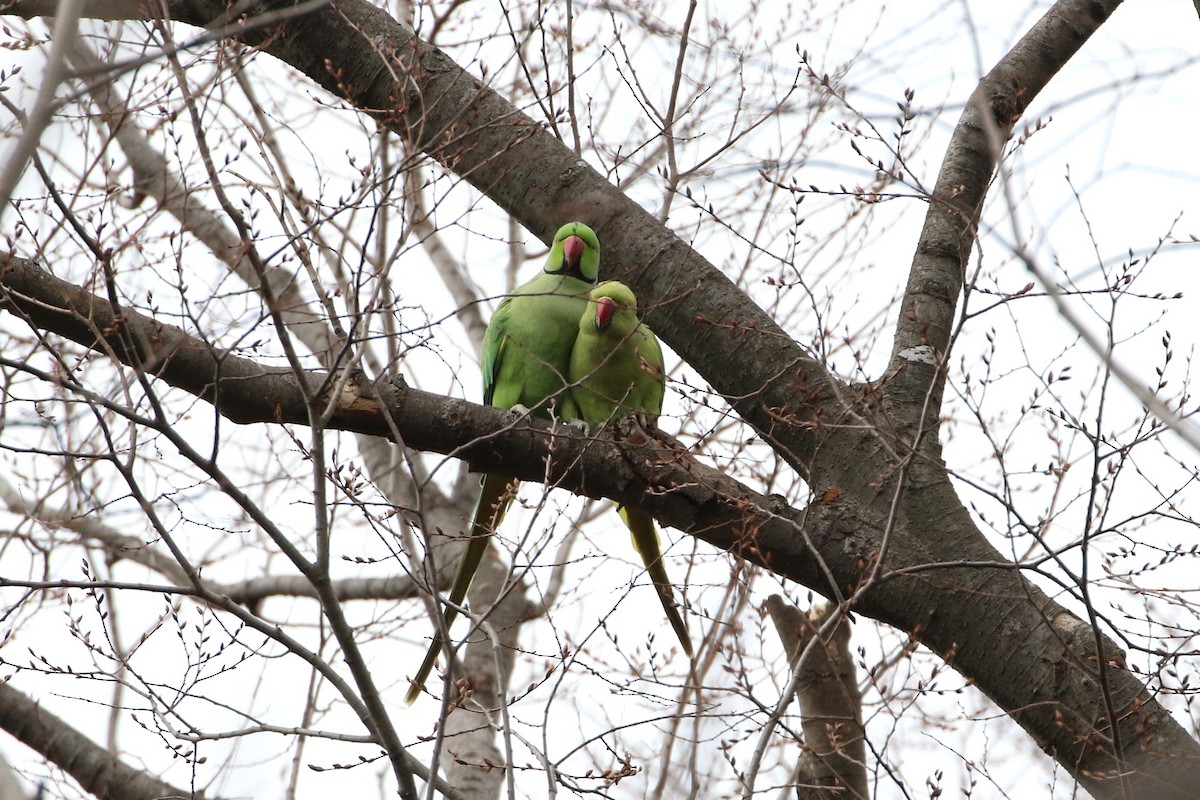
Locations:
(526, 355)
(617, 371)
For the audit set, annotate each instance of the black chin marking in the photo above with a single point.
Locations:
(566, 270)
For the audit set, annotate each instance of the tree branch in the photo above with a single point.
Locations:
(659, 477)
(924, 328)
(95, 768)
(833, 765)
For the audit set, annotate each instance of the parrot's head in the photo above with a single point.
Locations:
(611, 298)
(576, 252)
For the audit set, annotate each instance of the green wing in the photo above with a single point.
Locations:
(617, 370)
(527, 347)
(525, 360)
(493, 349)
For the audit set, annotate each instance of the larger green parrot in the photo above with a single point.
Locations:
(526, 356)
(617, 371)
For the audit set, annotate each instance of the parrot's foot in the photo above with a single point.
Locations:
(637, 426)
(645, 421)
(577, 424)
(570, 421)
(519, 410)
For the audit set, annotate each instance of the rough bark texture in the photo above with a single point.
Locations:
(833, 764)
(970, 609)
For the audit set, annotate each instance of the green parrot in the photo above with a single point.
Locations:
(617, 371)
(526, 355)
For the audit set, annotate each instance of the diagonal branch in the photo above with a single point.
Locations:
(924, 328)
(658, 476)
(94, 767)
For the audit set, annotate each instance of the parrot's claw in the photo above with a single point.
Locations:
(645, 421)
(519, 410)
(635, 424)
(572, 421)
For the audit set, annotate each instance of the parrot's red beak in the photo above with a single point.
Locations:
(605, 308)
(573, 251)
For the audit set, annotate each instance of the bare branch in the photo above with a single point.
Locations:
(95, 768)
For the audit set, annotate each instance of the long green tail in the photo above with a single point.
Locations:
(489, 511)
(645, 540)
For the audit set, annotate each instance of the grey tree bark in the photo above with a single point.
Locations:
(833, 764)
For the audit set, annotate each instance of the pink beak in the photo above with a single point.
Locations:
(573, 251)
(605, 308)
